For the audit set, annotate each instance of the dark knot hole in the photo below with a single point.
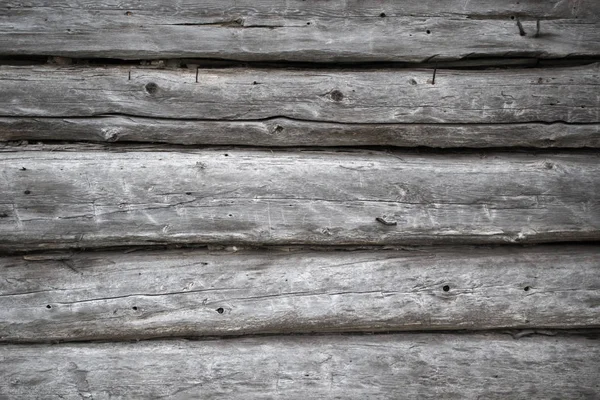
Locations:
(151, 87)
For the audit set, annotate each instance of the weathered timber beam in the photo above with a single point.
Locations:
(278, 132)
(67, 199)
(343, 96)
(300, 31)
(424, 366)
(189, 293)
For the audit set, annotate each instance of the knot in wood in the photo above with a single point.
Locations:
(151, 87)
(326, 231)
(386, 220)
(336, 95)
(277, 129)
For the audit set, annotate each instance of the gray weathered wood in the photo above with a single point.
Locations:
(287, 132)
(150, 294)
(62, 199)
(399, 366)
(300, 31)
(382, 96)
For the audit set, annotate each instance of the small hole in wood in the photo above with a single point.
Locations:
(526, 288)
(48, 306)
(27, 192)
(129, 13)
(134, 308)
(255, 83)
(226, 155)
(23, 169)
(382, 15)
(230, 215)
(446, 288)
(188, 193)
(220, 310)
(512, 17)
(308, 23)
(428, 31)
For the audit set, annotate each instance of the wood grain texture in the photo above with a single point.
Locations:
(189, 293)
(62, 199)
(277, 132)
(299, 31)
(382, 96)
(423, 366)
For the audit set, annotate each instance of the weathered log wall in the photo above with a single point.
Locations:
(419, 166)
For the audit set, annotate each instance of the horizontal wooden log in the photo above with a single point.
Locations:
(286, 132)
(62, 199)
(382, 96)
(424, 366)
(299, 31)
(157, 294)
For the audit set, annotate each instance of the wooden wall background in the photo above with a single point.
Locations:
(323, 199)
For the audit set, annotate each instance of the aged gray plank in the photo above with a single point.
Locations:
(299, 31)
(212, 11)
(60, 199)
(424, 366)
(383, 96)
(150, 294)
(287, 132)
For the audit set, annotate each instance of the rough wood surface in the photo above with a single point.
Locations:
(381, 96)
(296, 30)
(277, 132)
(424, 366)
(188, 293)
(61, 199)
